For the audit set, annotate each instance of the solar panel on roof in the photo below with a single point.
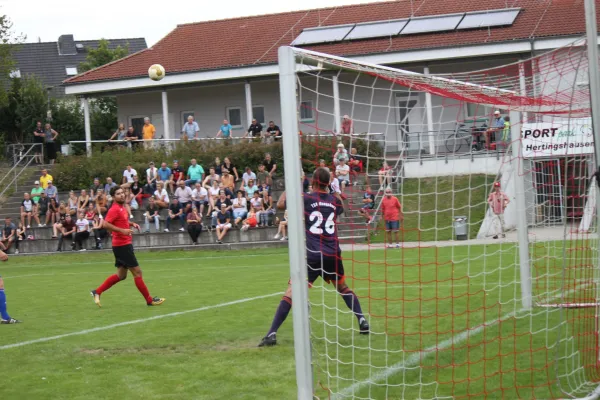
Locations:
(322, 35)
(436, 23)
(377, 29)
(484, 19)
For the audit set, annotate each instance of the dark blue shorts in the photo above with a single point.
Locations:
(392, 225)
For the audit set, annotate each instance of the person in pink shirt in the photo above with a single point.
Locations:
(392, 215)
(498, 200)
(347, 127)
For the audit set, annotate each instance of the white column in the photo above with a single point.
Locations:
(88, 129)
(522, 86)
(429, 111)
(165, 111)
(336, 106)
(249, 112)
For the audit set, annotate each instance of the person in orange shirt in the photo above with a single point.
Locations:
(392, 215)
(148, 133)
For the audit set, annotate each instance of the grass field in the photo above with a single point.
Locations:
(201, 343)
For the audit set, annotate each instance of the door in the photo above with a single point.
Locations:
(409, 123)
(157, 121)
(138, 124)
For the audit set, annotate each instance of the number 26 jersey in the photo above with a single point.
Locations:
(320, 221)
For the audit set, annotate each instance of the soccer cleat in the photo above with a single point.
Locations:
(10, 321)
(364, 326)
(156, 301)
(96, 297)
(267, 341)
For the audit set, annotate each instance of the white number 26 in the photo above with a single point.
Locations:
(317, 217)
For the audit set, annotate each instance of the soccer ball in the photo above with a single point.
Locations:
(156, 72)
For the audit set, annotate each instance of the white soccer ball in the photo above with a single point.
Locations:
(156, 72)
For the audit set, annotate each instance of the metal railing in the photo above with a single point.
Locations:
(17, 151)
(17, 170)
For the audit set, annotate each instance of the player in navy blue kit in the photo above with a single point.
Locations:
(323, 253)
(5, 318)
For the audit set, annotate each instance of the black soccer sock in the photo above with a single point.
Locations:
(352, 302)
(281, 314)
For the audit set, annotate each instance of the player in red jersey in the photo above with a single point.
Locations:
(117, 221)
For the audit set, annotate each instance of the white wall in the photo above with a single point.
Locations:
(459, 166)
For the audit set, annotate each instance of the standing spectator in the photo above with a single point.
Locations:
(101, 203)
(200, 198)
(254, 130)
(131, 137)
(83, 201)
(51, 191)
(498, 200)
(27, 210)
(42, 209)
(273, 131)
(347, 125)
(262, 175)
(228, 165)
(210, 178)
(36, 192)
(120, 134)
(339, 154)
(152, 214)
(51, 136)
(281, 231)
(247, 176)
(497, 125)
(128, 174)
(177, 174)
(184, 195)
(108, 186)
(45, 178)
(342, 172)
(194, 173)
(72, 202)
(225, 130)
(368, 202)
(221, 201)
(392, 215)
(148, 133)
(175, 212)
(94, 189)
(161, 197)
(270, 167)
(38, 139)
(9, 236)
(83, 232)
(506, 130)
(190, 129)
(151, 175)
(194, 225)
(164, 175)
(223, 223)
(67, 229)
(385, 175)
(239, 208)
(227, 180)
(213, 196)
(99, 232)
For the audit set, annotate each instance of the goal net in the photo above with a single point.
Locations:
(487, 287)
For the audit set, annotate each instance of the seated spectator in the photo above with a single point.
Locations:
(61, 215)
(247, 176)
(212, 176)
(82, 233)
(9, 236)
(340, 153)
(42, 209)
(225, 130)
(152, 214)
(322, 164)
(368, 204)
(281, 231)
(161, 197)
(347, 125)
(223, 223)
(200, 198)
(227, 180)
(151, 176)
(22, 233)
(239, 208)
(99, 232)
(265, 192)
(108, 186)
(356, 165)
(36, 192)
(45, 178)
(385, 175)
(27, 210)
(250, 189)
(262, 175)
(128, 175)
(265, 213)
(83, 201)
(257, 203)
(213, 195)
(184, 195)
(194, 173)
(130, 202)
(229, 166)
(270, 167)
(175, 212)
(190, 129)
(221, 201)
(177, 174)
(254, 130)
(52, 214)
(228, 192)
(67, 230)
(90, 214)
(72, 202)
(138, 192)
(251, 220)
(217, 166)
(94, 189)
(342, 172)
(194, 225)
(164, 175)
(334, 188)
(273, 131)
(51, 191)
(101, 203)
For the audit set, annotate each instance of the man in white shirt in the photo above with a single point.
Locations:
(342, 172)
(247, 176)
(200, 198)
(184, 196)
(151, 175)
(128, 174)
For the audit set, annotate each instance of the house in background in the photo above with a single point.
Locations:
(54, 62)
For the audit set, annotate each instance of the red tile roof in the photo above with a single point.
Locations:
(254, 40)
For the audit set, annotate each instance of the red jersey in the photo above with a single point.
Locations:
(391, 208)
(119, 217)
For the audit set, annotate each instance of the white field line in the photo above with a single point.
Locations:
(136, 321)
(415, 359)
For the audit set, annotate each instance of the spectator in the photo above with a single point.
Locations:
(36, 192)
(51, 136)
(175, 212)
(368, 202)
(265, 192)
(392, 215)
(347, 125)
(239, 208)
(227, 180)
(334, 188)
(250, 189)
(108, 186)
(190, 129)
(212, 176)
(120, 135)
(161, 197)
(228, 192)
(9, 236)
(72, 202)
(38, 140)
(497, 125)
(322, 164)
(177, 174)
(101, 203)
(130, 202)
(52, 214)
(262, 175)
(83, 201)
(281, 231)
(273, 131)
(90, 214)
(184, 195)
(200, 198)
(194, 173)
(340, 153)
(131, 137)
(128, 175)
(151, 175)
(94, 189)
(164, 175)
(223, 223)
(506, 130)
(225, 130)
(83, 232)
(99, 232)
(270, 167)
(194, 225)
(67, 229)
(137, 191)
(217, 166)
(247, 176)
(498, 200)
(45, 178)
(51, 191)
(385, 175)
(148, 133)
(21, 232)
(152, 214)
(228, 165)
(61, 216)
(42, 209)
(27, 210)
(266, 212)
(221, 201)
(213, 195)
(254, 130)
(342, 172)
(356, 165)
(251, 220)
(257, 203)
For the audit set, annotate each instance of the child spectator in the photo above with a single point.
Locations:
(239, 208)
(506, 130)
(281, 231)
(385, 175)
(175, 212)
(161, 197)
(200, 198)
(498, 200)
(60, 217)
(342, 172)
(225, 130)
(223, 223)
(129, 199)
(194, 228)
(83, 232)
(251, 220)
(21, 232)
(137, 190)
(90, 214)
(152, 214)
(368, 201)
(392, 215)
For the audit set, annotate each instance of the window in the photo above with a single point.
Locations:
(15, 73)
(306, 111)
(71, 71)
(323, 34)
(234, 115)
(258, 113)
(185, 115)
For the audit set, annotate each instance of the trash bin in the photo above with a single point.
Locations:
(65, 149)
(461, 229)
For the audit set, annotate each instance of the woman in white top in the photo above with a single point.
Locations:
(161, 197)
(83, 232)
(213, 195)
(240, 209)
(73, 203)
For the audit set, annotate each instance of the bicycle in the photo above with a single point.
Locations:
(468, 136)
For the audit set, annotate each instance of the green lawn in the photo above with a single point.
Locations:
(417, 300)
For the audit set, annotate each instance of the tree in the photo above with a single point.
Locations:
(31, 106)
(8, 41)
(102, 55)
(67, 117)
